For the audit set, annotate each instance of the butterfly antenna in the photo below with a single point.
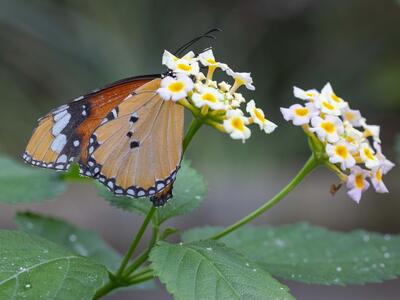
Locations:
(207, 34)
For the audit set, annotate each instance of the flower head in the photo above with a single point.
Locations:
(215, 103)
(342, 138)
(175, 88)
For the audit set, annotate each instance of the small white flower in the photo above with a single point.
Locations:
(235, 125)
(187, 64)
(329, 94)
(259, 118)
(210, 97)
(305, 95)
(299, 114)
(386, 164)
(368, 156)
(352, 135)
(328, 129)
(241, 79)
(207, 59)
(371, 130)
(224, 87)
(352, 116)
(377, 182)
(341, 153)
(175, 88)
(357, 183)
(327, 106)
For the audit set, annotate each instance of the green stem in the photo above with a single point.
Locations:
(309, 166)
(143, 257)
(108, 287)
(140, 273)
(135, 242)
(141, 279)
(193, 128)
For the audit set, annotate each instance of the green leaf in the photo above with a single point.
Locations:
(82, 242)
(189, 190)
(34, 268)
(313, 254)
(27, 184)
(210, 270)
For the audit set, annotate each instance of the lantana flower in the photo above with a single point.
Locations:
(299, 114)
(235, 125)
(357, 183)
(218, 104)
(305, 95)
(258, 117)
(341, 137)
(175, 88)
(328, 128)
(241, 79)
(210, 97)
(187, 64)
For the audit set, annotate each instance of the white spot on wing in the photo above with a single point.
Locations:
(59, 143)
(62, 159)
(61, 124)
(76, 143)
(58, 116)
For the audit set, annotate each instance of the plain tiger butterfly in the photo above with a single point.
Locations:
(124, 135)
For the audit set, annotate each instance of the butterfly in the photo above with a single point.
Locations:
(124, 135)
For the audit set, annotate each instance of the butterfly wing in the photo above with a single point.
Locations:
(138, 152)
(63, 133)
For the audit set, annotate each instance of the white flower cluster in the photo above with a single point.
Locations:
(348, 140)
(217, 102)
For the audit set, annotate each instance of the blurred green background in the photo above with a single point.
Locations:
(54, 51)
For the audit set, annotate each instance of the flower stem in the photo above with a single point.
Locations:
(193, 128)
(136, 241)
(308, 167)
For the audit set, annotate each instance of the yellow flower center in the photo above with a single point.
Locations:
(327, 105)
(378, 175)
(368, 153)
(342, 151)
(336, 98)
(209, 97)
(237, 124)
(259, 114)
(301, 112)
(350, 139)
(308, 94)
(349, 116)
(211, 61)
(328, 127)
(359, 181)
(184, 67)
(176, 87)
